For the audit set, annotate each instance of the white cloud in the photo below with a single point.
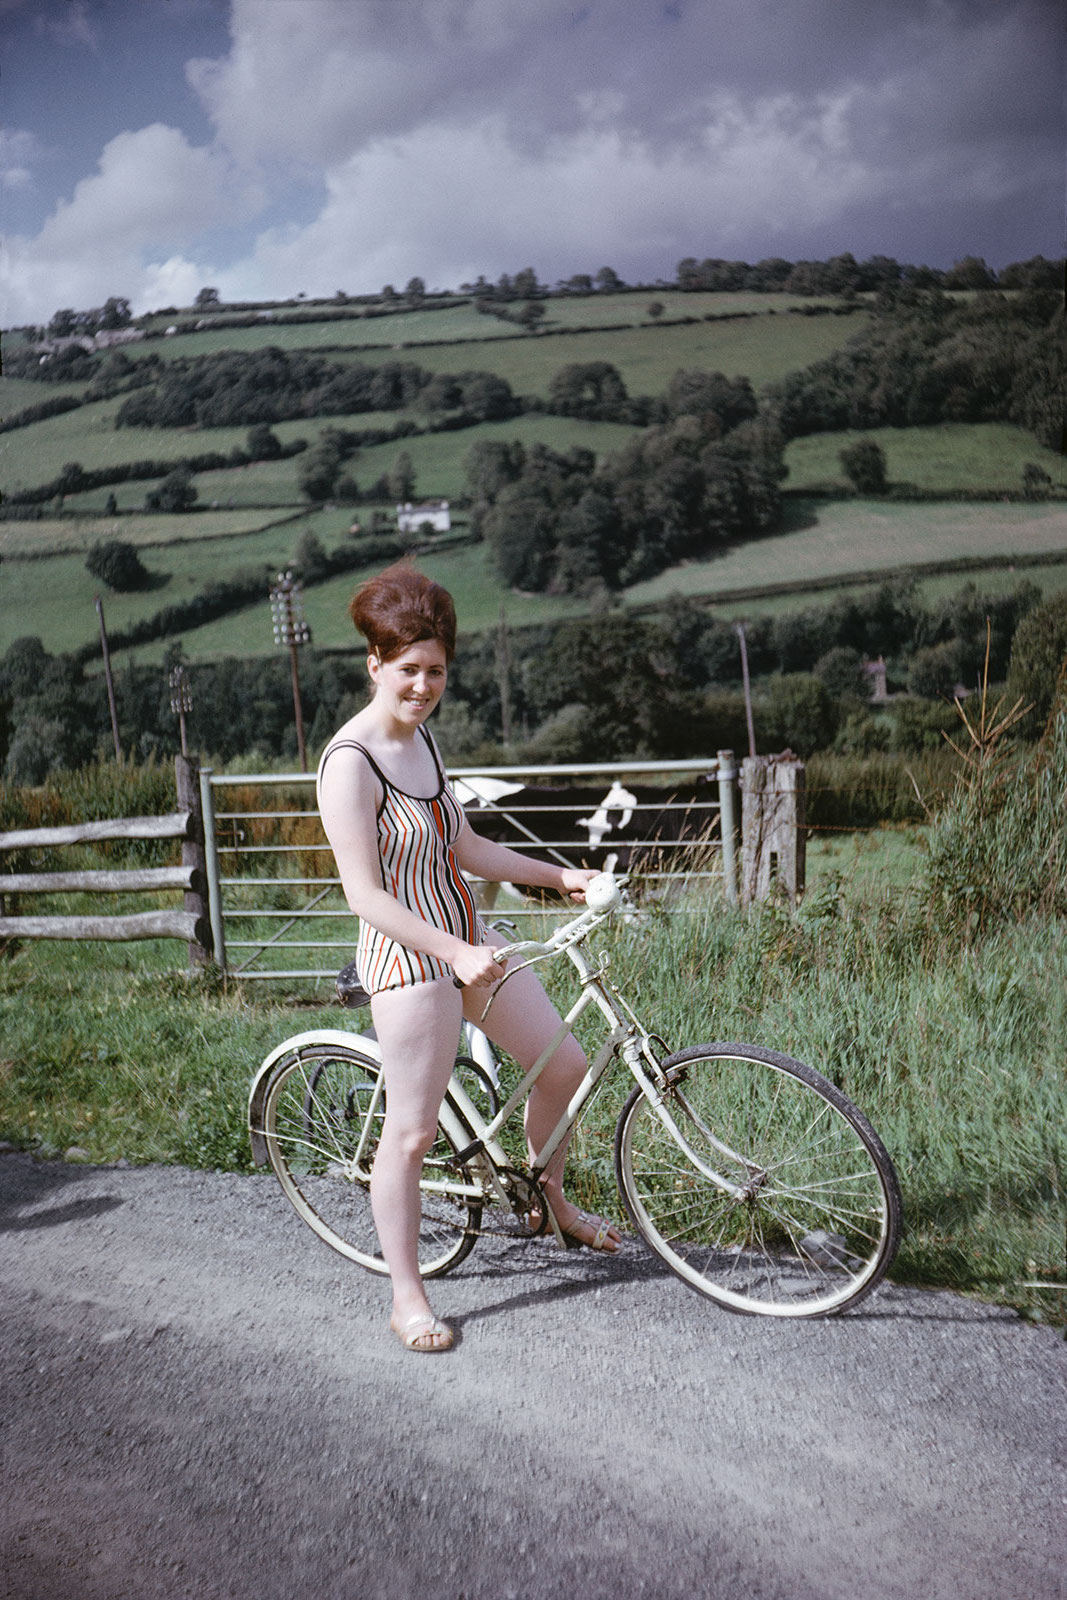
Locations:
(18, 152)
(448, 202)
(152, 191)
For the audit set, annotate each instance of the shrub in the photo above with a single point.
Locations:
(117, 565)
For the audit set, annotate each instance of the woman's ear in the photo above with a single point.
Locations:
(373, 664)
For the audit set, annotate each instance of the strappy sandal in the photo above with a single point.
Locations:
(601, 1239)
(423, 1325)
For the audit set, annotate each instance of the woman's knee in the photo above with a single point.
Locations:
(408, 1141)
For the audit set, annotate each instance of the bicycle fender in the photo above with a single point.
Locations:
(257, 1094)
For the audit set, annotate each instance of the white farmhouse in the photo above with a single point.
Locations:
(410, 519)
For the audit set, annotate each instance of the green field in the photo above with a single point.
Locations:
(947, 456)
(763, 349)
(461, 322)
(848, 537)
(53, 597)
(64, 535)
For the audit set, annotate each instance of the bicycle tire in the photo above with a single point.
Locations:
(814, 1220)
(322, 1118)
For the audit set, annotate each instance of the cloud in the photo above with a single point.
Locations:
(152, 190)
(450, 137)
(18, 152)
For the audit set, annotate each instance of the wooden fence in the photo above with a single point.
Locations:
(772, 861)
(192, 923)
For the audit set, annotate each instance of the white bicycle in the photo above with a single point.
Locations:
(752, 1176)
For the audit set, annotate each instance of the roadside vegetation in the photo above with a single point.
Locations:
(937, 1005)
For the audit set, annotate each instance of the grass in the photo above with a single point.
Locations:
(65, 535)
(761, 348)
(950, 455)
(852, 537)
(460, 322)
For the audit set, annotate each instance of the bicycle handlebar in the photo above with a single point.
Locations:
(603, 896)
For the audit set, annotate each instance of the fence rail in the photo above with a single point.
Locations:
(191, 924)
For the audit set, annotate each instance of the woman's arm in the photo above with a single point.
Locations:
(348, 798)
(484, 858)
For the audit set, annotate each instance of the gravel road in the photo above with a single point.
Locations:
(199, 1399)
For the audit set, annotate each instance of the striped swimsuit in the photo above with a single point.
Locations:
(415, 840)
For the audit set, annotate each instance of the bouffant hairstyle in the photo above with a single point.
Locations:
(399, 608)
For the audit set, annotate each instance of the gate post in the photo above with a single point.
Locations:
(211, 863)
(187, 783)
(773, 827)
(728, 822)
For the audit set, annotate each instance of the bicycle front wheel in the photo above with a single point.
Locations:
(759, 1183)
(322, 1119)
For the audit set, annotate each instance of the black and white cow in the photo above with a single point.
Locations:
(619, 828)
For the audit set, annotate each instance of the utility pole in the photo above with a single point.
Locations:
(503, 669)
(739, 628)
(108, 680)
(181, 700)
(291, 630)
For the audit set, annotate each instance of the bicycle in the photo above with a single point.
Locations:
(752, 1176)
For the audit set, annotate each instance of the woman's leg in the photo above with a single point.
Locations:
(418, 1030)
(522, 1020)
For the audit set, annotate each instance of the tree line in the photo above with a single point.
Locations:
(613, 686)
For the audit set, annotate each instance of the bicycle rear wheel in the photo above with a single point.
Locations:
(759, 1183)
(322, 1120)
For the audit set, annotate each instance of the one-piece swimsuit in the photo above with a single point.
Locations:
(416, 837)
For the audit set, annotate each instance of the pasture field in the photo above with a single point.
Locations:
(847, 538)
(66, 535)
(946, 456)
(53, 596)
(18, 394)
(850, 537)
(466, 571)
(461, 322)
(763, 349)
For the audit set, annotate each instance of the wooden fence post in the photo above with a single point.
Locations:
(773, 827)
(187, 782)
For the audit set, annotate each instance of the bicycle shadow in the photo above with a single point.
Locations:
(635, 1266)
(28, 1183)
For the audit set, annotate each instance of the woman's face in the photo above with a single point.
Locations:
(409, 685)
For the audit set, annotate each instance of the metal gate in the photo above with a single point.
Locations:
(276, 906)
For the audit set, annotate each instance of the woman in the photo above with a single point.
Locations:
(399, 837)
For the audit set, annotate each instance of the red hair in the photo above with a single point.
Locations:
(401, 607)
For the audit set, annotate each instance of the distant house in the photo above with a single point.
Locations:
(410, 519)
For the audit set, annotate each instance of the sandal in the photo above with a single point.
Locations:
(423, 1326)
(601, 1239)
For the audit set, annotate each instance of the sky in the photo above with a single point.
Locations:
(269, 148)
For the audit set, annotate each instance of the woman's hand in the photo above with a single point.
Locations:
(476, 966)
(575, 880)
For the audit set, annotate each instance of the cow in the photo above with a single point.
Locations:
(615, 828)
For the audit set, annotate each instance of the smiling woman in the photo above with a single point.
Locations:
(403, 848)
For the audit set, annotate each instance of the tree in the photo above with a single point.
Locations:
(63, 325)
(654, 310)
(117, 564)
(1038, 656)
(207, 300)
(177, 492)
(402, 478)
(864, 464)
(608, 281)
(310, 559)
(414, 291)
(116, 313)
(263, 444)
